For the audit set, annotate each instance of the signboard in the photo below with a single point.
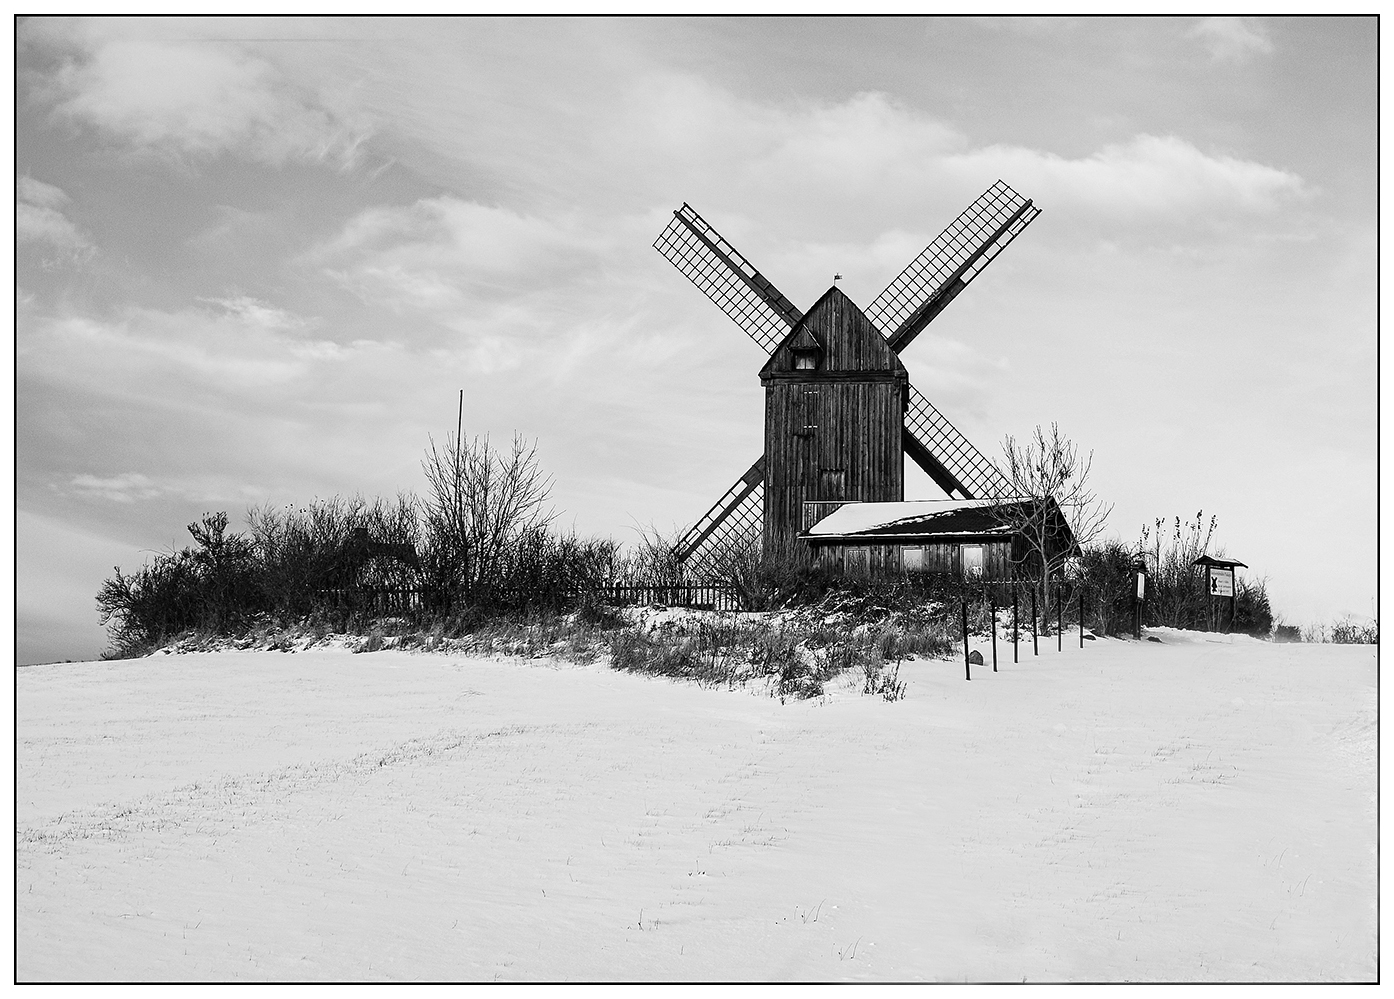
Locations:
(1141, 585)
(972, 561)
(1221, 582)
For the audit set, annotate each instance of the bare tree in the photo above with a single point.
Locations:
(482, 501)
(1047, 470)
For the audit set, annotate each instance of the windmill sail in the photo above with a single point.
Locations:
(731, 526)
(727, 278)
(945, 267)
(948, 457)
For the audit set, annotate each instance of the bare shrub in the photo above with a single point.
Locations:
(482, 502)
(1348, 631)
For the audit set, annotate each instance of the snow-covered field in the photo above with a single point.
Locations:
(1200, 809)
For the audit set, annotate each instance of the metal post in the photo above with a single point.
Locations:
(992, 606)
(1059, 617)
(1015, 634)
(1035, 644)
(1081, 617)
(967, 667)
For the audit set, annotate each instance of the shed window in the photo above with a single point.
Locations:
(972, 561)
(858, 560)
(912, 558)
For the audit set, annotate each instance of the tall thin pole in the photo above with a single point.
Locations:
(1081, 617)
(1059, 617)
(460, 485)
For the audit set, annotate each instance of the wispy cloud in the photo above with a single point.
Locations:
(1232, 39)
(1158, 175)
(38, 220)
(126, 488)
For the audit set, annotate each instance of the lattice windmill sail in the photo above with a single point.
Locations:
(907, 305)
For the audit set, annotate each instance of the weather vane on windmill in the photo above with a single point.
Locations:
(839, 409)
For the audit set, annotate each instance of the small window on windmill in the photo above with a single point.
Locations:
(807, 351)
(972, 561)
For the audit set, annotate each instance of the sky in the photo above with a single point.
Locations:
(257, 262)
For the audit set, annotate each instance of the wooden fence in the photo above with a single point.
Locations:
(702, 597)
(413, 601)
(404, 601)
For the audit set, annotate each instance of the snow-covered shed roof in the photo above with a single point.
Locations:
(913, 519)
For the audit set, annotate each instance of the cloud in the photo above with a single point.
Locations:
(239, 347)
(1156, 175)
(1231, 39)
(261, 315)
(870, 158)
(498, 276)
(34, 224)
(38, 220)
(125, 488)
(190, 99)
(36, 192)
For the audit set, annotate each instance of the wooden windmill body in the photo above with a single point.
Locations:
(835, 397)
(840, 413)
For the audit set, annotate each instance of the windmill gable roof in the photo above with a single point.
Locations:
(849, 340)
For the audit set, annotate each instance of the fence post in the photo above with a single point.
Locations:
(1081, 617)
(1035, 643)
(967, 666)
(992, 606)
(1059, 617)
(1015, 636)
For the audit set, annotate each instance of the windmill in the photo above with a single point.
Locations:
(908, 304)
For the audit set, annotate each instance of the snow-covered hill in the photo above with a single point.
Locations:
(1198, 809)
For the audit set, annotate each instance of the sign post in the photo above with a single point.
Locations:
(1222, 585)
(1138, 604)
(992, 606)
(1219, 584)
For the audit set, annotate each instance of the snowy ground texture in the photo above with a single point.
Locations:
(1195, 810)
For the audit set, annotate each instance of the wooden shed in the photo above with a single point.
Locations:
(965, 539)
(835, 400)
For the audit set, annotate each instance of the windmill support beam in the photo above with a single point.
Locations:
(949, 290)
(942, 477)
(741, 267)
(717, 515)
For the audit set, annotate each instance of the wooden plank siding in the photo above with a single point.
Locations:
(832, 433)
(939, 558)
